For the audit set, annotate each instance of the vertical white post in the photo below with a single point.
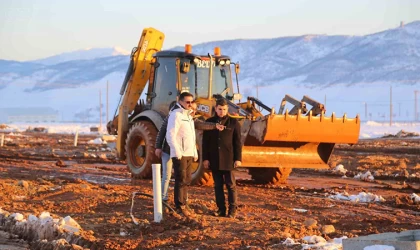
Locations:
(107, 109)
(2, 140)
(390, 106)
(76, 136)
(100, 111)
(157, 193)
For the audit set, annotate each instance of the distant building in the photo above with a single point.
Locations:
(28, 115)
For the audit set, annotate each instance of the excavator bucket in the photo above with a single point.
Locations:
(297, 141)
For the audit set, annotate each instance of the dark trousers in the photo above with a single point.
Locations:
(183, 169)
(221, 177)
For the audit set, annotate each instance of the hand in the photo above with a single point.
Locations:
(206, 164)
(158, 152)
(220, 127)
(237, 164)
(195, 158)
(178, 155)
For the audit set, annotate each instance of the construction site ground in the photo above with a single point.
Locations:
(46, 172)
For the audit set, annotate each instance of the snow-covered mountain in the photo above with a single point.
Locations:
(85, 54)
(349, 70)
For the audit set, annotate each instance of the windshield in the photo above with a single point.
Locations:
(221, 79)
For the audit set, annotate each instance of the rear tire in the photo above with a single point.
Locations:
(270, 175)
(200, 176)
(140, 149)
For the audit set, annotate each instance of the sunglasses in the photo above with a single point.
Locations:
(189, 102)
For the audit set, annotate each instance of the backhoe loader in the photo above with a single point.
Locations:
(273, 142)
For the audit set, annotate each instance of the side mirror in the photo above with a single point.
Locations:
(185, 67)
(237, 69)
(237, 96)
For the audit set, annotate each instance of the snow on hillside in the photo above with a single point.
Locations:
(353, 73)
(68, 101)
(85, 54)
(370, 101)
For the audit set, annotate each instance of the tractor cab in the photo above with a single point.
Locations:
(174, 72)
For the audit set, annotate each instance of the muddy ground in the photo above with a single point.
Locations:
(45, 172)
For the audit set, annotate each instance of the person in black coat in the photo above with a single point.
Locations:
(222, 152)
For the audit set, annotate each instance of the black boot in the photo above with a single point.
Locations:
(220, 213)
(232, 212)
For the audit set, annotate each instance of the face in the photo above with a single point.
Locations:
(187, 102)
(221, 111)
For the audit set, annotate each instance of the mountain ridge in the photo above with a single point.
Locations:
(358, 68)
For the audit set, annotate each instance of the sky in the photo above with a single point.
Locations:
(35, 29)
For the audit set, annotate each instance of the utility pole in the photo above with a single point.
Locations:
(366, 113)
(415, 106)
(100, 111)
(399, 109)
(107, 104)
(325, 101)
(390, 106)
(257, 91)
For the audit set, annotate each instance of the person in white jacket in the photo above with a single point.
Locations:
(180, 136)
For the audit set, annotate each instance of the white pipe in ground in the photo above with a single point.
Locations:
(76, 136)
(157, 193)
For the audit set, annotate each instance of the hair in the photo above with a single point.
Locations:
(185, 94)
(221, 102)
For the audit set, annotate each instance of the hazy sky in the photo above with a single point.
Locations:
(33, 29)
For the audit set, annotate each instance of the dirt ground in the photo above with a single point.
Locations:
(45, 172)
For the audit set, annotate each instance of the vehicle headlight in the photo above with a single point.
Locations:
(222, 62)
(227, 62)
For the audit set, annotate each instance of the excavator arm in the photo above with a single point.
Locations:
(138, 74)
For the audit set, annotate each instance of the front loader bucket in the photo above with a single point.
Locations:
(296, 141)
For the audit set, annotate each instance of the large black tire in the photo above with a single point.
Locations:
(270, 175)
(200, 176)
(140, 149)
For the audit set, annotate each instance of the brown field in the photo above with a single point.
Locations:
(45, 172)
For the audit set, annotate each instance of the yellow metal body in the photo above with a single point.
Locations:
(299, 128)
(274, 140)
(297, 141)
(151, 41)
(291, 141)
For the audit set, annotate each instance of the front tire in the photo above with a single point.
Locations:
(200, 176)
(140, 149)
(270, 175)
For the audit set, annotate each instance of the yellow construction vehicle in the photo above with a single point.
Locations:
(273, 142)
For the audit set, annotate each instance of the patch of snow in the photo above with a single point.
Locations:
(379, 247)
(314, 239)
(69, 224)
(17, 216)
(97, 141)
(300, 210)
(415, 198)
(289, 242)
(367, 176)
(372, 129)
(59, 128)
(44, 227)
(340, 169)
(319, 243)
(361, 197)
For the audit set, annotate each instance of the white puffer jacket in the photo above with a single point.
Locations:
(180, 133)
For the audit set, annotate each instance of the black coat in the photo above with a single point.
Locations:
(222, 148)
